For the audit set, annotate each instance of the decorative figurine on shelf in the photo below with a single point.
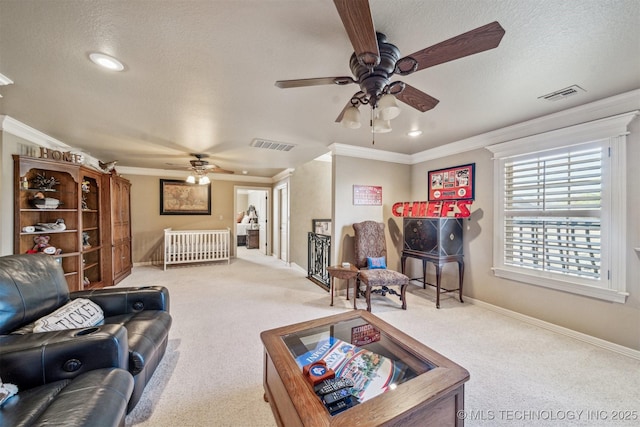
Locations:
(86, 186)
(109, 167)
(85, 240)
(59, 225)
(41, 182)
(42, 245)
(86, 281)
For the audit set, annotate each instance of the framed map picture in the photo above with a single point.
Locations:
(457, 183)
(181, 198)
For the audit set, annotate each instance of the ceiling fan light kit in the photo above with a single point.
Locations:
(351, 118)
(374, 61)
(200, 170)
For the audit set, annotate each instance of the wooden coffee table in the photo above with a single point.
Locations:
(424, 389)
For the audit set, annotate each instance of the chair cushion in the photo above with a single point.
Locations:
(376, 262)
(381, 277)
(146, 331)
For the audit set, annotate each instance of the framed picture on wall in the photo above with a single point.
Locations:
(180, 198)
(322, 226)
(456, 183)
(367, 195)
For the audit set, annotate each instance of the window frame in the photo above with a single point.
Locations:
(611, 133)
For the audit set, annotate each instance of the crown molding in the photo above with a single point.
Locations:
(610, 106)
(369, 153)
(19, 129)
(129, 170)
(570, 135)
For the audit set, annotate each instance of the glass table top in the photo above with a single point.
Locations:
(357, 350)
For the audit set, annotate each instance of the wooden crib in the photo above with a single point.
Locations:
(184, 246)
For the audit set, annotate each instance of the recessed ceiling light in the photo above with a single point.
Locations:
(245, 172)
(414, 133)
(106, 61)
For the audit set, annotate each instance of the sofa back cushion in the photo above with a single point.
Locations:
(31, 286)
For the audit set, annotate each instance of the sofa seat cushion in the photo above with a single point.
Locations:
(95, 398)
(147, 331)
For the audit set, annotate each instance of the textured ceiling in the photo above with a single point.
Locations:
(200, 75)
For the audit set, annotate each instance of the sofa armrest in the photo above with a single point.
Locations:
(40, 358)
(117, 301)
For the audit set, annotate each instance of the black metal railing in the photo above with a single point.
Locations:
(319, 258)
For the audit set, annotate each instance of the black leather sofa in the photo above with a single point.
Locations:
(133, 337)
(93, 398)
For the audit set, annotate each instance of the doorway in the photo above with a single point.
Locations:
(281, 221)
(251, 205)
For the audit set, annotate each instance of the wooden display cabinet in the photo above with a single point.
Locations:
(26, 214)
(94, 225)
(120, 227)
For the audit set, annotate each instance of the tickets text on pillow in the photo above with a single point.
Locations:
(79, 313)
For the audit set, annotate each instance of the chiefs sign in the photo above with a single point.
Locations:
(442, 209)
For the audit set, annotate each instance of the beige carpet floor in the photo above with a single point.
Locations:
(521, 375)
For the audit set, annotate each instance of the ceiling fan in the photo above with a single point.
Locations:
(201, 168)
(375, 61)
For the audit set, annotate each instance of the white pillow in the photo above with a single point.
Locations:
(245, 220)
(79, 313)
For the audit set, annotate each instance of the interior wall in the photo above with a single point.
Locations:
(617, 323)
(9, 145)
(147, 224)
(395, 180)
(310, 198)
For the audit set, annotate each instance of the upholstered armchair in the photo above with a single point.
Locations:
(371, 258)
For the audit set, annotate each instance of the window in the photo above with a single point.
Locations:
(552, 207)
(560, 210)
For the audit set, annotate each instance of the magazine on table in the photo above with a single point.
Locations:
(371, 373)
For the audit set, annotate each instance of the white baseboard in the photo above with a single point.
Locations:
(140, 264)
(617, 348)
(299, 268)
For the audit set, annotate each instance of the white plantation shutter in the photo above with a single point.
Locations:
(552, 208)
(560, 211)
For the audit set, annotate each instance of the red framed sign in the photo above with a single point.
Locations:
(364, 195)
(457, 183)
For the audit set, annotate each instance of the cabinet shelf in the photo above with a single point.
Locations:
(25, 233)
(48, 210)
(89, 228)
(89, 266)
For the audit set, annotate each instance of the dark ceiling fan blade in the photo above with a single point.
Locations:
(357, 20)
(220, 170)
(284, 84)
(416, 98)
(474, 41)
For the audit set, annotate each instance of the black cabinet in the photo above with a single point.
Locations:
(433, 236)
(434, 240)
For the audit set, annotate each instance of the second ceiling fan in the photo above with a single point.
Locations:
(375, 61)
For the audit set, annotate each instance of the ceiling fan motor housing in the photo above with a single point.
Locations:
(373, 81)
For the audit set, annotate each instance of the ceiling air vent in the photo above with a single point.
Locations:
(562, 93)
(271, 145)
